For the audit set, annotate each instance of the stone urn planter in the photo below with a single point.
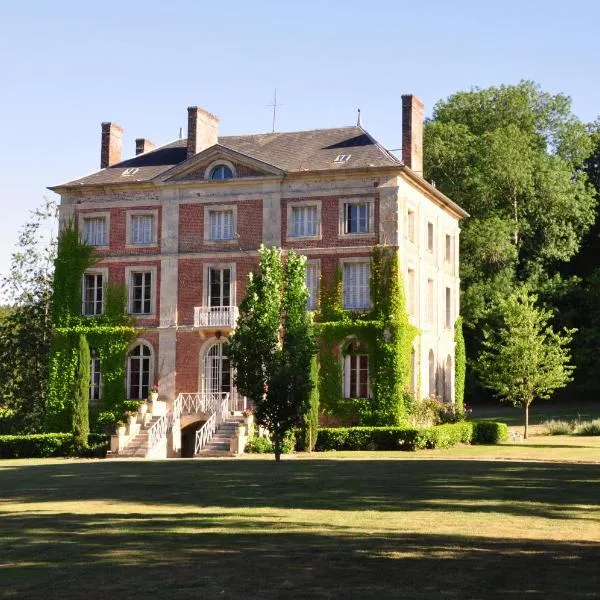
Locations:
(143, 408)
(121, 429)
(132, 419)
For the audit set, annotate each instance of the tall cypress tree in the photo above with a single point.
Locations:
(81, 413)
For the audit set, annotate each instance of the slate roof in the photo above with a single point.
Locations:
(297, 151)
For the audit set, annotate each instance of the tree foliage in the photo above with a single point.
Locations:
(26, 326)
(273, 344)
(513, 157)
(523, 358)
(81, 417)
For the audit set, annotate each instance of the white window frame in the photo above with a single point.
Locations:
(448, 307)
(343, 202)
(448, 248)
(354, 261)
(140, 342)
(129, 228)
(218, 163)
(411, 289)
(430, 239)
(104, 273)
(206, 282)
(95, 362)
(430, 298)
(84, 216)
(313, 303)
(129, 271)
(290, 219)
(347, 371)
(213, 208)
(411, 224)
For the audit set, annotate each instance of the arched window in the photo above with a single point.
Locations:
(217, 369)
(432, 390)
(139, 372)
(221, 172)
(356, 371)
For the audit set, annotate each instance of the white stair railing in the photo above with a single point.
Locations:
(206, 432)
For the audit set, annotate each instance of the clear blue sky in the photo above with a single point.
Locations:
(65, 66)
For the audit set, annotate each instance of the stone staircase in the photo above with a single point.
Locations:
(220, 443)
(138, 446)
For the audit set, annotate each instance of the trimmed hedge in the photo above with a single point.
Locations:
(402, 438)
(489, 432)
(46, 445)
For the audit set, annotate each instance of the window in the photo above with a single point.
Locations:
(448, 253)
(356, 217)
(430, 237)
(304, 221)
(448, 308)
(430, 301)
(356, 371)
(138, 372)
(95, 231)
(312, 284)
(142, 229)
(410, 225)
(221, 225)
(432, 374)
(93, 294)
(410, 291)
(219, 288)
(95, 378)
(140, 293)
(356, 284)
(221, 172)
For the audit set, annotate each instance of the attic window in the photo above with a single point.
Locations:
(342, 158)
(130, 171)
(221, 172)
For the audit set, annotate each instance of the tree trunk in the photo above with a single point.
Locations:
(277, 445)
(526, 421)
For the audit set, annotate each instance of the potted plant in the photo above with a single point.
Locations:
(131, 417)
(154, 393)
(143, 408)
(121, 429)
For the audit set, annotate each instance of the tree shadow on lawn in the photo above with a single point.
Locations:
(519, 488)
(122, 556)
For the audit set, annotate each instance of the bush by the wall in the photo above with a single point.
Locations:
(588, 428)
(489, 432)
(46, 445)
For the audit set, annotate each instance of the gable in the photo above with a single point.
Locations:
(202, 171)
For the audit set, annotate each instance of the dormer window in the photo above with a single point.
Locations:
(221, 172)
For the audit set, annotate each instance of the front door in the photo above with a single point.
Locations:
(217, 371)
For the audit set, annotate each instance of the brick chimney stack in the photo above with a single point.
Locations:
(143, 145)
(110, 147)
(203, 130)
(412, 133)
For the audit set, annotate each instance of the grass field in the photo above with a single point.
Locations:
(457, 523)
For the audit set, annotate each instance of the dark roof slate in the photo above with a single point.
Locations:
(296, 151)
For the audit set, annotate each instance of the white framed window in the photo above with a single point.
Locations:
(220, 223)
(313, 273)
(95, 231)
(411, 225)
(220, 170)
(95, 378)
(142, 228)
(357, 274)
(92, 292)
(139, 371)
(448, 249)
(356, 216)
(356, 371)
(432, 374)
(448, 321)
(410, 291)
(304, 221)
(141, 284)
(430, 301)
(219, 286)
(429, 236)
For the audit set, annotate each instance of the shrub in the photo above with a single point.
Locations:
(588, 428)
(46, 445)
(559, 427)
(427, 412)
(489, 432)
(259, 445)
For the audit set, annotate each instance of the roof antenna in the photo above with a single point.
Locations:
(358, 118)
(275, 106)
(181, 133)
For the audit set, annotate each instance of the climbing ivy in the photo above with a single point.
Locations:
(109, 335)
(460, 363)
(387, 334)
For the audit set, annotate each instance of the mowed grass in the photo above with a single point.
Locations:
(438, 524)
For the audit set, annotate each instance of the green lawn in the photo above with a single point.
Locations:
(434, 524)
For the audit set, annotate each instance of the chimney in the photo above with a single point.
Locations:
(203, 130)
(110, 148)
(143, 145)
(412, 133)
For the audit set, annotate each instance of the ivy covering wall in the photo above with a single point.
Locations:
(387, 334)
(460, 358)
(108, 335)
